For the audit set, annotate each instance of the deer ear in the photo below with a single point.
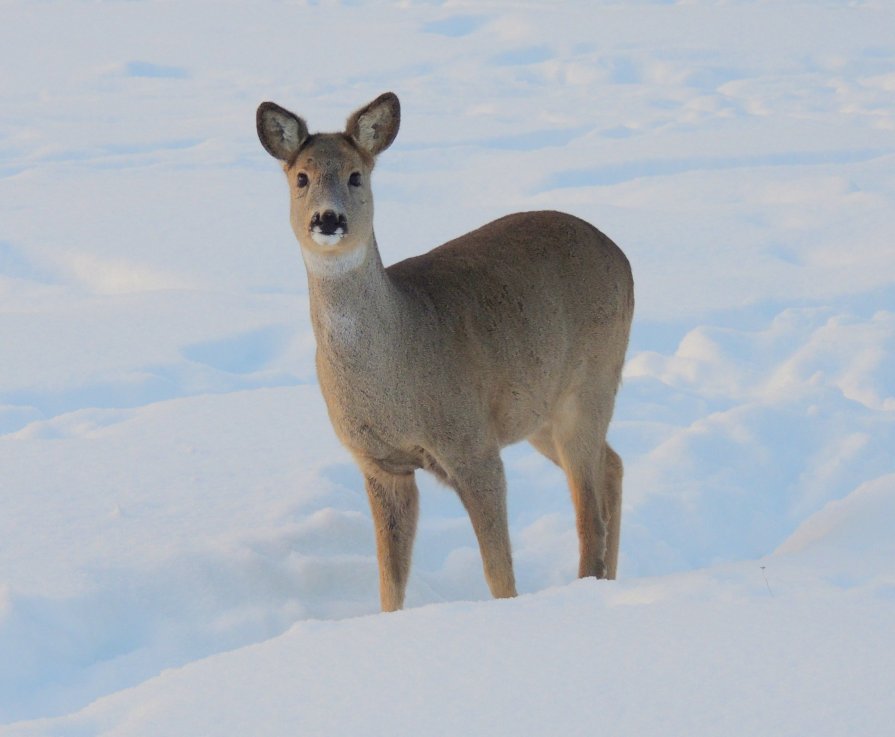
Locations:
(375, 126)
(280, 131)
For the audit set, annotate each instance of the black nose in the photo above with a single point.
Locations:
(329, 223)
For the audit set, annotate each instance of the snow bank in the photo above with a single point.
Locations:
(705, 652)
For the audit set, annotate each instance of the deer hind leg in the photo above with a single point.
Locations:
(594, 473)
(612, 507)
(595, 480)
(583, 475)
(482, 488)
(394, 502)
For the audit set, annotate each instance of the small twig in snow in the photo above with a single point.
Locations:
(766, 581)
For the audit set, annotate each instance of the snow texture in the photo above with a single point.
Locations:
(185, 549)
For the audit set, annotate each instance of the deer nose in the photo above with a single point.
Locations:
(329, 223)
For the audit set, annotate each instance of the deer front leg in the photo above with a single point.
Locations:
(394, 502)
(483, 491)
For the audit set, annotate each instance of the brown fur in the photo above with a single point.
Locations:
(517, 330)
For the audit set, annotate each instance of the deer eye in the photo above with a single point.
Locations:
(354, 179)
(302, 180)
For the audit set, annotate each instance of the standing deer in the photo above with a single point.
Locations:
(517, 330)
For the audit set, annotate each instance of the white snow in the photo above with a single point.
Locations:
(185, 549)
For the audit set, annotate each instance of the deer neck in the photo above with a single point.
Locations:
(354, 304)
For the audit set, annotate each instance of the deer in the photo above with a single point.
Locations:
(514, 331)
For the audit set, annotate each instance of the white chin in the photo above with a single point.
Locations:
(333, 262)
(327, 240)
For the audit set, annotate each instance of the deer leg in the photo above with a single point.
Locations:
(612, 507)
(483, 491)
(583, 483)
(394, 502)
(610, 496)
(596, 486)
(580, 444)
(593, 471)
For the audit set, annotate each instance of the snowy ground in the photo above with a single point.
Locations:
(185, 548)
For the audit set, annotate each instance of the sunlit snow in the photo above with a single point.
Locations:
(185, 548)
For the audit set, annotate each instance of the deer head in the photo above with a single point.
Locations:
(329, 178)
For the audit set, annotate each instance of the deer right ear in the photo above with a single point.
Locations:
(280, 131)
(375, 126)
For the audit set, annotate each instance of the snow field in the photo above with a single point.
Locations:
(185, 548)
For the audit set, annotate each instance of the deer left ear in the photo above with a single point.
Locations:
(375, 126)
